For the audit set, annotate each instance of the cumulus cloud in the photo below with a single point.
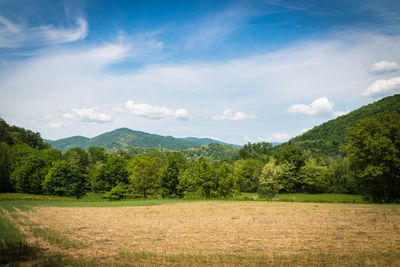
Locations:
(88, 115)
(319, 107)
(15, 35)
(155, 112)
(383, 67)
(383, 87)
(230, 115)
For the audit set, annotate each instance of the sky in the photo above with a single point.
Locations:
(236, 71)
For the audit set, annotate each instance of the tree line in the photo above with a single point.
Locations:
(371, 166)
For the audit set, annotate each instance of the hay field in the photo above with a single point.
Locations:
(226, 232)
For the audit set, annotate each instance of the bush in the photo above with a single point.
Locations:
(118, 192)
(64, 179)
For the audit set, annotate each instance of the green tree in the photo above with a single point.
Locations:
(110, 174)
(199, 179)
(31, 169)
(143, 173)
(255, 150)
(373, 148)
(227, 181)
(5, 168)
(64, 179)
(248, 171)
(342, 177)
(313, 176)
(97, 154)
(170, 174)
(269, 180)
(118, 192)
(79, 158)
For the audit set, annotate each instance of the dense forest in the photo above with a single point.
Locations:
(369, 164)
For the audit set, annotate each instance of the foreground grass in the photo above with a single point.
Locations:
(13, 245)
(15, 249)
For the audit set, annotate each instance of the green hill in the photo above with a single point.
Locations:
(68, 143)
(207, 141)
(329, 136)
(125, 138)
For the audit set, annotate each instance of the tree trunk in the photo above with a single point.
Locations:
(144, 194)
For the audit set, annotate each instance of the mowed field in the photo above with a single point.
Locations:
(219, 233)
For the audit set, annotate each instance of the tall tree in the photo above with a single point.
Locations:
(227, 181)
(170, 173)
(5, 168)
(270, 180)
(110, 174)
(373, 148)
(64, 179)
(143, 173)
(31, 168)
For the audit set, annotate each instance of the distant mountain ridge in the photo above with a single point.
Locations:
(329, 136)
(125, 138)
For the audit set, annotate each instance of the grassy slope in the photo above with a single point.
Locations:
(329, 136)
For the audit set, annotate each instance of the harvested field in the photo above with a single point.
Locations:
(225, 228)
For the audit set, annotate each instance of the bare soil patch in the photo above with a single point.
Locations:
(215, 228)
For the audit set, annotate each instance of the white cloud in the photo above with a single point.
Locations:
(155, 112)
(383, 87)
(264, 83)
(383, 67)
(15, 35)
(319, 107)
(247, 139)
(233, 116)
(275, 137)
(88, 115)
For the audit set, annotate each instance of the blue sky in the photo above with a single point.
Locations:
(237, 71)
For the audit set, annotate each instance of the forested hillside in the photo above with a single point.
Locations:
(328, 137)
(212, 151)
(126, 138)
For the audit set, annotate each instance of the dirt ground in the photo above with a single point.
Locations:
(226, 228)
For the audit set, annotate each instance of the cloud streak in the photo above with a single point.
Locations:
(17, 35)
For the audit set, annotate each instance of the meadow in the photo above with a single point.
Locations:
(298, 230)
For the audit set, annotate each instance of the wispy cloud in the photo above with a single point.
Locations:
(215, 27)
(88, 115)
(16, 35)
(230, 115)
(383, 88)
(383, 67)
(319, 107)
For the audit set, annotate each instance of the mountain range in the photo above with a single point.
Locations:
(125, 138)
(326, 138)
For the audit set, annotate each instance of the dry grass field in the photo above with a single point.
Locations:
(221, 233)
